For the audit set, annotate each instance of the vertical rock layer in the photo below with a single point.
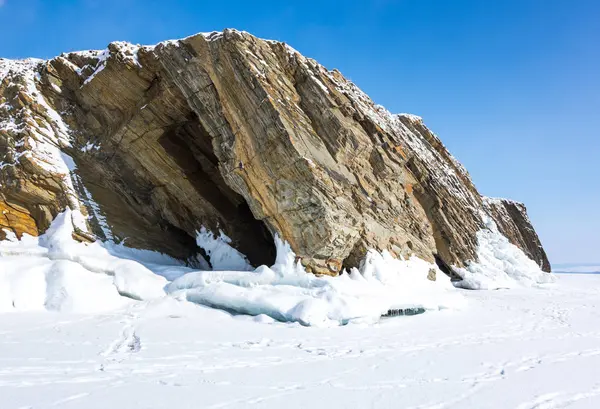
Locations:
(231, 132)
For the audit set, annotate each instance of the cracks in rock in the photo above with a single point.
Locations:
(298, 83)
(23, 212)
(9, 225)
(153, 89)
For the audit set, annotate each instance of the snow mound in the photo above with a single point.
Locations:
(285, 292)
(55, 285)
(54, 272)
(501, 264)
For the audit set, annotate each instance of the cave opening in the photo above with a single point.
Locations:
(190, 146)
(446, 269)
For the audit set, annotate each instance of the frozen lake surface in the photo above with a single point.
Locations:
(518, 348)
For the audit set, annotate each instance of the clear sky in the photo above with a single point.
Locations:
(512, 87)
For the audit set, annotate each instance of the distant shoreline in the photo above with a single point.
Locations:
(576, 272)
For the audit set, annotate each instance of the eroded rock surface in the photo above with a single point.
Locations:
(230, 132)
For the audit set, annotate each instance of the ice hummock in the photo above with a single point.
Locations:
(54, 272)
(286, 292)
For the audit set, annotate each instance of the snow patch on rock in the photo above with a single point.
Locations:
(412, 117)
(43, 133)
(220, 252)
(100, 65)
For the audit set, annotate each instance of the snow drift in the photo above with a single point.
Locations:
(501, 264)
(55, 272)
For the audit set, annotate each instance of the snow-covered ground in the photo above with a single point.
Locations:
(519, 348)
(97, 325)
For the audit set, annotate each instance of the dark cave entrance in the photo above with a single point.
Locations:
(190, 146)
(446, 269)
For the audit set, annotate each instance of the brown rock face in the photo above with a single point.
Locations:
(17, 220)
(513, 222)
(230, 132)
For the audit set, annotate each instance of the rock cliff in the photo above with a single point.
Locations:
(233, 133)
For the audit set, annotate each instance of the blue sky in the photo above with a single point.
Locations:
(512, 87)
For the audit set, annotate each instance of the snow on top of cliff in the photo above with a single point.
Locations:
(209, 35)
(126, 49)
(128, 52)
(212, 35)
(18, 66)
(500, 201)
(100, 65)
(412, 117)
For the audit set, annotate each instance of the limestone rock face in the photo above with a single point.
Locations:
(232, 133)
(513, 222)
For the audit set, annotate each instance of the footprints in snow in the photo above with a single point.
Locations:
(331, 352)
(265, 342)
(559, 400)
(127, 343)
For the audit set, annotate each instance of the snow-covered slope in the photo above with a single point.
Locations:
(500, 263)
(38, 133)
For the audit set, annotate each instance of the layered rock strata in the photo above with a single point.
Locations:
(233, 133)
